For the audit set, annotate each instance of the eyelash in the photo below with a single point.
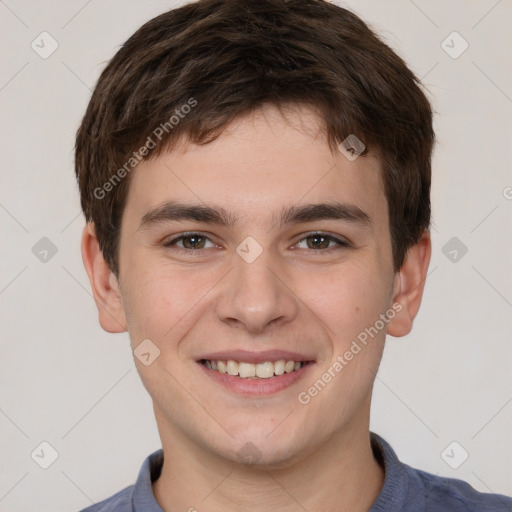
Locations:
(341, 243)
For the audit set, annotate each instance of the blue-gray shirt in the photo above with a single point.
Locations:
(405, 489)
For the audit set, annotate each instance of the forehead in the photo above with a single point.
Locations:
(258, 166)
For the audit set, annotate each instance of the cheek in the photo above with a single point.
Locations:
(163, 301)
(349, 304)
(347, 300)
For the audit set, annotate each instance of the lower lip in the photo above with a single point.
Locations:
(248, 386)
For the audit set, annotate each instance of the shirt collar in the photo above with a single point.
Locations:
(401, 484)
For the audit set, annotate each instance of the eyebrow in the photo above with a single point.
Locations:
(294, 214)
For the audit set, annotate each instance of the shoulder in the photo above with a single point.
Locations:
(442, 493)
(122, 501)
(138, 497)
(407, 489)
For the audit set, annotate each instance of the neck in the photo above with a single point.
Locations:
(342, 475)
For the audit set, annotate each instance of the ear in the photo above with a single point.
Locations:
(409, 285)
(104, 284)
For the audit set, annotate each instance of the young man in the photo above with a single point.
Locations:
(255, 176)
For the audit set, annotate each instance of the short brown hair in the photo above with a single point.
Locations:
(228, 57)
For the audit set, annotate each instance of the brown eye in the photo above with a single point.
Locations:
(322, 241)
(189, 242)
(193, 242)
(318, 242)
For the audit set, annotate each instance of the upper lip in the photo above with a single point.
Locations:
(248, 356)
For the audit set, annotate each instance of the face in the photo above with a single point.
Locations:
(266, 279)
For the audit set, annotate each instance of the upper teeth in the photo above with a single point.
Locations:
(261, 370)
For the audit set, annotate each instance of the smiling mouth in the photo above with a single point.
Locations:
(265, 370)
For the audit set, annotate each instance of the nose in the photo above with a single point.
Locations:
(256, 295)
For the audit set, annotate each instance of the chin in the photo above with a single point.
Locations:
(261, 450)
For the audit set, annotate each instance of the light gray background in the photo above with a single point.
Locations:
(65, 381)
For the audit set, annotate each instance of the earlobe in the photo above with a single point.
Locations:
(409, 286)
(104, 284)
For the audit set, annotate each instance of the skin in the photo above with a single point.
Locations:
(294, 296)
